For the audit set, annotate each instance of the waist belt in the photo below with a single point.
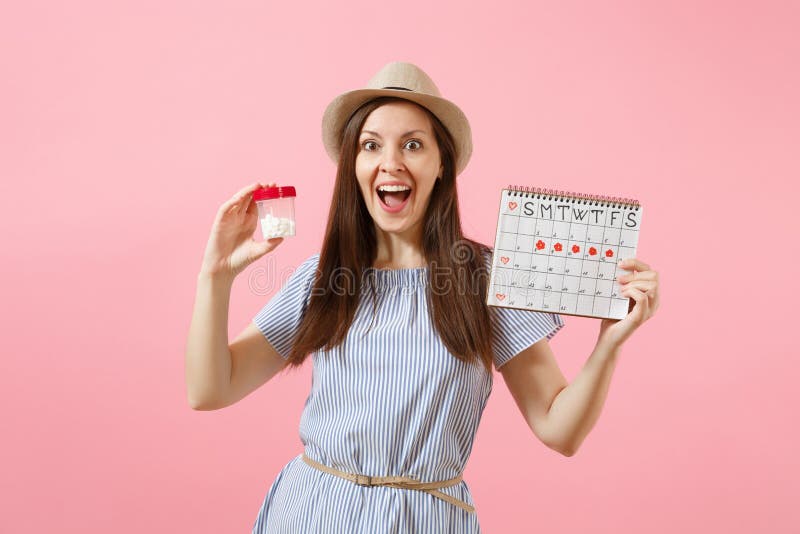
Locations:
(396, 482)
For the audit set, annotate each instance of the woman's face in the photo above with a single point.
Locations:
(396, 166)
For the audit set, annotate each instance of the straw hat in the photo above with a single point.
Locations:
(407, 81)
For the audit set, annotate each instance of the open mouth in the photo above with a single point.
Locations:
(393, 197)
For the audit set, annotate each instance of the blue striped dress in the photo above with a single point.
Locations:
(390, 401)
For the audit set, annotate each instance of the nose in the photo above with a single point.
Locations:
(391, 160)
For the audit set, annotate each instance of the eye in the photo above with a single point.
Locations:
(366, 145)
(415, 141)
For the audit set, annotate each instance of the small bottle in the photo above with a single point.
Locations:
(275, 210)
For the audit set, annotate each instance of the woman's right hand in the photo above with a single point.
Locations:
(231, 246)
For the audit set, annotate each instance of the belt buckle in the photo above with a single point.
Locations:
(363, 480)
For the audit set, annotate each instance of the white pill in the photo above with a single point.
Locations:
(272, 226)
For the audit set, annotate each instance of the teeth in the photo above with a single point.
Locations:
(394, 188)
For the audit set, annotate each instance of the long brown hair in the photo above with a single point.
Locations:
(457, 299)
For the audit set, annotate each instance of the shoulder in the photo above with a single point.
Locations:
(300, 277)
(310, 263)
(307, 270)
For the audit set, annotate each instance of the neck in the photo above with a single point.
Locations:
(399, 251)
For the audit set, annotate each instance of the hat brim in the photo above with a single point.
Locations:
(342, 107)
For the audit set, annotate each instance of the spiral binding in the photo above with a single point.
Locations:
(570, 196)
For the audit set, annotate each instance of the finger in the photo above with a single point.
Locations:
(642, 305)
(642, 285)
(634, 263)
(235, 200)
(637, 275)
(655, 300)
(252, 207)
(247, 198)
(267, 246)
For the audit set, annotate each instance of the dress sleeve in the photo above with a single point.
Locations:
(279, 319)
(515, 330)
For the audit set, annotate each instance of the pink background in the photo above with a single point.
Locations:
(124, 125)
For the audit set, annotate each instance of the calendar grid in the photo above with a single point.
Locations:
(558, 252)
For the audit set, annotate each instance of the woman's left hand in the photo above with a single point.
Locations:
(642, 286)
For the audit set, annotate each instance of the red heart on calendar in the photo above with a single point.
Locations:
(500, 296)
(512, 206)
(592, 251)
(557, 246)
(539, 245)
(576, 249)
(609, 253)
(504, 259)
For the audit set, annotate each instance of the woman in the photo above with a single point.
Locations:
(393, 311)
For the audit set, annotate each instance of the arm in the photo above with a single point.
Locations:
(213, 379)
(208, 357)
(219, 374)
(561, 415)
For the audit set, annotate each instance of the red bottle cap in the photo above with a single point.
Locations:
(268, 193)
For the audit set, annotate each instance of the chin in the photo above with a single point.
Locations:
(393, 226)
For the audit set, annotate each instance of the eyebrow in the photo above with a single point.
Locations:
(376, 134)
